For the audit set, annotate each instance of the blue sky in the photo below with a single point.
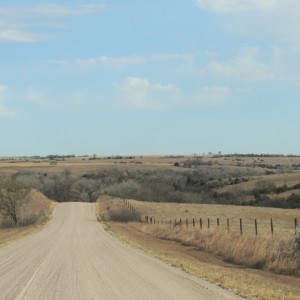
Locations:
(149, 77)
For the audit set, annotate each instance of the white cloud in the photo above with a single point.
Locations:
(16, 23)
(140, 93)
(134, 93)
(274, 21)
(56, 10)
(245, 66)
(216, 95)
(20, 36)
(49, 10)
(238, 6)
(121, 61)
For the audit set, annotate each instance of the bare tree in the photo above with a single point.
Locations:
(87, 190)
(13, 195)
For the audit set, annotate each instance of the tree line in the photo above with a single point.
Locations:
(158, 185)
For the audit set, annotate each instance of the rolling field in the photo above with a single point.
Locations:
(252, 168)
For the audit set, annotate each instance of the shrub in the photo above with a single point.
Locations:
(116, 210)
(123, 215)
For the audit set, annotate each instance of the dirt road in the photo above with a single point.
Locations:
(73, 257)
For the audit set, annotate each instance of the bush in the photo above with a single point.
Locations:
(123, 215)
(109, 209)
(6, 223)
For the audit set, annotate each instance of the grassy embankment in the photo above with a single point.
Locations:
(33, 216)
(217, 255)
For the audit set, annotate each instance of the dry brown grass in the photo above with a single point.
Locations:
(37, 210)
(118, 211)
(244, 281)
(187, 254)
(284, 194)
(289, 179)
(279, 255)
(33, 216)
(265, 252)
(283, 219)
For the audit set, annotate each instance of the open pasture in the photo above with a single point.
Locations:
(283, 219)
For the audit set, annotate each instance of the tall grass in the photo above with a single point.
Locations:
(36, 210)
(278, 254)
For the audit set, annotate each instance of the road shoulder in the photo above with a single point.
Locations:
(249, 283)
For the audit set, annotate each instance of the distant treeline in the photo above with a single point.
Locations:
(161, 185)
(257, 155)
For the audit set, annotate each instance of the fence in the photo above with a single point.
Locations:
(241, 226)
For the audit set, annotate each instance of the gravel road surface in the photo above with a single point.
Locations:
(73, 257)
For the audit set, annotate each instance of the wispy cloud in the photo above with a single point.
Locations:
(49, 10)
(121, 61)
(56, 10)
(140, 93)
(18, 24)
(12, 35)
(238, 6)
(134, 93)
(275, 21)
(245, 66)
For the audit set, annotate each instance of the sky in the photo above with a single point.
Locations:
(136, 77)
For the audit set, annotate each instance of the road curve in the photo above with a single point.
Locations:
(74, 258)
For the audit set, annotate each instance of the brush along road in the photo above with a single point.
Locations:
(73, 257)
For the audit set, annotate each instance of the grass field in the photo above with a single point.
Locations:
(283, 219)
(208, 254)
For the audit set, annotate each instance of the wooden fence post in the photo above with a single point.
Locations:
(193, 222)
(241, 226)
(296, 225)
(228, 226)
(208, 223)
(200, 223)
(256, 227)
(272, 227)
(218, 222)
(187, 222)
